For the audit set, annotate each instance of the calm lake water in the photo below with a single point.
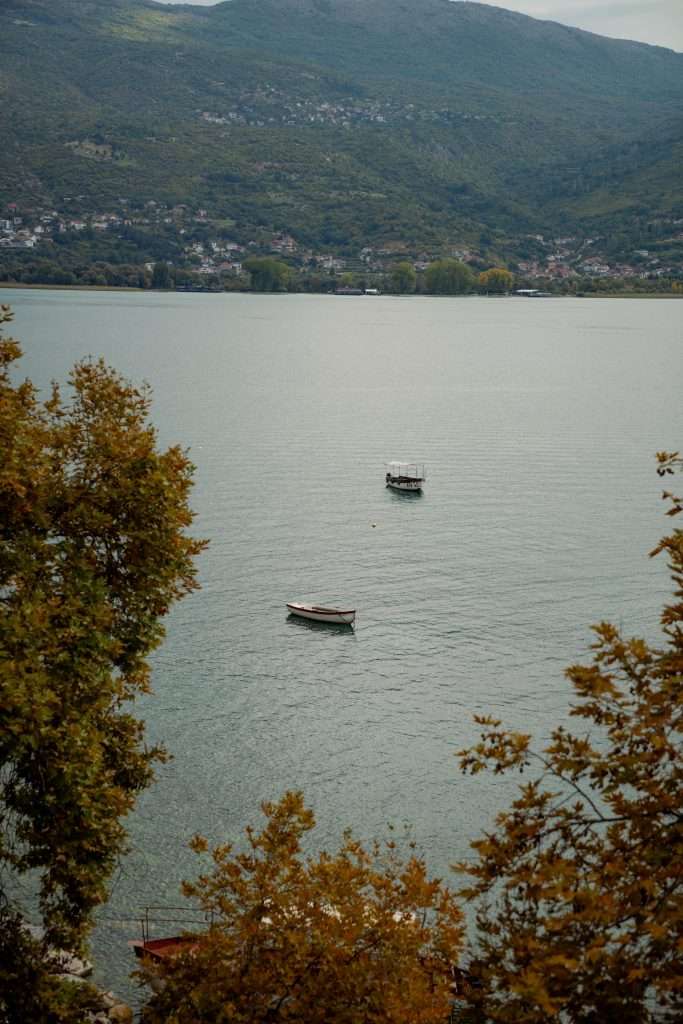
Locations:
(538, 422)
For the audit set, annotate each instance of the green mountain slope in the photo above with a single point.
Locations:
(341, 121)
(641, 178)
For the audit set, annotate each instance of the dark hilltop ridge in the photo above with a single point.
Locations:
(340, 125)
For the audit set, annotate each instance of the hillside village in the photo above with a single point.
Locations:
(340, 139)
(207, 249)
(268, 106)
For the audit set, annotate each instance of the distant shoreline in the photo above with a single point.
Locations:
(75, 287)
(174, 291)
(627, 295)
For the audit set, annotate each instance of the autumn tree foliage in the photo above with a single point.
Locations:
(495, 281)
(360, 935)
(582, 878)
(93, 552)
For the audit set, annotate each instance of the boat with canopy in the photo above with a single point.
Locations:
(405, 476)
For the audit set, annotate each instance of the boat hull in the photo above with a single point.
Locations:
(405, 485)
(158, 950)
(334, 616)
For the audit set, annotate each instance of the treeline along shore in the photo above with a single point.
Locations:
(265, 275)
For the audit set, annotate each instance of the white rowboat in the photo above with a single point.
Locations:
(317, 614)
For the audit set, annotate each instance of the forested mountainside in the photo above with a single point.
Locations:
(344, 123)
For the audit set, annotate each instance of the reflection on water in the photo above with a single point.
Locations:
(537, 422)
(400, 495)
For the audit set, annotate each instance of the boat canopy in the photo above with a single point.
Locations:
(412, 470)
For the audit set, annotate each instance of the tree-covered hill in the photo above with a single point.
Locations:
(344, 122)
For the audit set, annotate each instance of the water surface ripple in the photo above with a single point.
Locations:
(538, 421)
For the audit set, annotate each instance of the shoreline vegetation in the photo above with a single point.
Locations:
(267, 274)
(23, 286)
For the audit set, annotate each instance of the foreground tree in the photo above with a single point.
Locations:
(353, 937)
(93, 552)
(584, 874)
